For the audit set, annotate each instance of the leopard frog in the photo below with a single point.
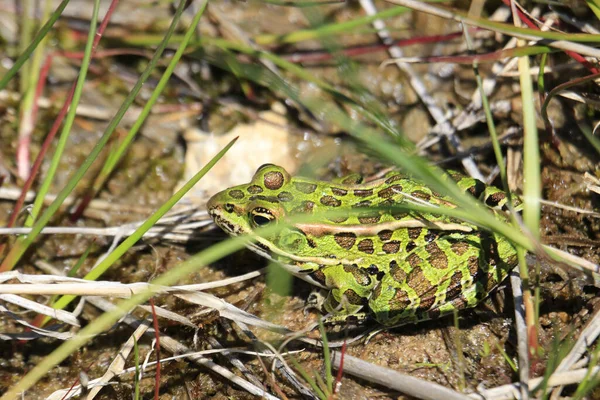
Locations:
(395, 267)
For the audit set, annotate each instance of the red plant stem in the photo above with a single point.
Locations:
(103, 53)
(59, 118)
(338, 377)
(41, 85)
(360, 50)
(57, 122)
(522, 16)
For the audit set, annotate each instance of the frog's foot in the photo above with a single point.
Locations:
(343, 312)
(316, 300)
(349, 320)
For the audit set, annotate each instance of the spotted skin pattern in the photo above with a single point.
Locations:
(397, 267)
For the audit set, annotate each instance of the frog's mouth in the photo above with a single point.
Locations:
(224, 223)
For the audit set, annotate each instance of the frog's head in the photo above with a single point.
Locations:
(244, 208)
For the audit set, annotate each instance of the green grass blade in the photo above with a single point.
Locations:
(25, 37)
(532, 187)
(106, 320)
(326, 357)
(266, 78)
(594, 5)
(69, 119)
(20, 247)
(136, 363)
(116, 156)
(34, 43)
(109, 260)
(329, 29)
(311, 382)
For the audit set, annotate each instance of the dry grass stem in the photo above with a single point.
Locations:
(395, 380)
(522, 334)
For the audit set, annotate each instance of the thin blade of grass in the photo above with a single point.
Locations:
(19, 249)
(110, 259)
(27, 106)
(34, 43)
(117, 154)
(594, 5)
(69, 120)
(563, 41)
(326, 357)
(106, 320)
(328, 29)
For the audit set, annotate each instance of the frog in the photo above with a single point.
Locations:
(374, 261)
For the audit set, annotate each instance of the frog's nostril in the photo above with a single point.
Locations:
(229, 207)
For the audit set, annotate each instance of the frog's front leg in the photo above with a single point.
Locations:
(350, 288)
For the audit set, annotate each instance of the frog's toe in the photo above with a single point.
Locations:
(316, 300)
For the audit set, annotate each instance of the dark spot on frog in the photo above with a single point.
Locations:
(399, 215)
(305, 187)
(494, 199)
(391, 247)
(477, 188)
(436, 256)
(410, 246)
(270, 199)
(459, 248)
(419, 194)
(369, 219)
(362, 204)
(345, 239)
(363, 192)
(426, 302)
(262, 246)
(417, 281)
(338, 219)
(460, 302)
(456, 176)
(414, 260)
(400, 301)
(435, 313)
(254, 189)
(330, 201)
(285, 196)
(366, 246)
(353, 298)
(376, 292)
(394, 178)
(338, 191)
(360, 275)
(473, 265)
(305, 207)
(372, 269)
(319, 276)
(455, 287)
(431, 236)
(397, 273)
(236, 194)
(389, 192)
(385, 235)
(414, 233)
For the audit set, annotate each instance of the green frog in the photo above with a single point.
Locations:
(374, 261)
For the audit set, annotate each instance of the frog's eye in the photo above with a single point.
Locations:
(261, 216)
